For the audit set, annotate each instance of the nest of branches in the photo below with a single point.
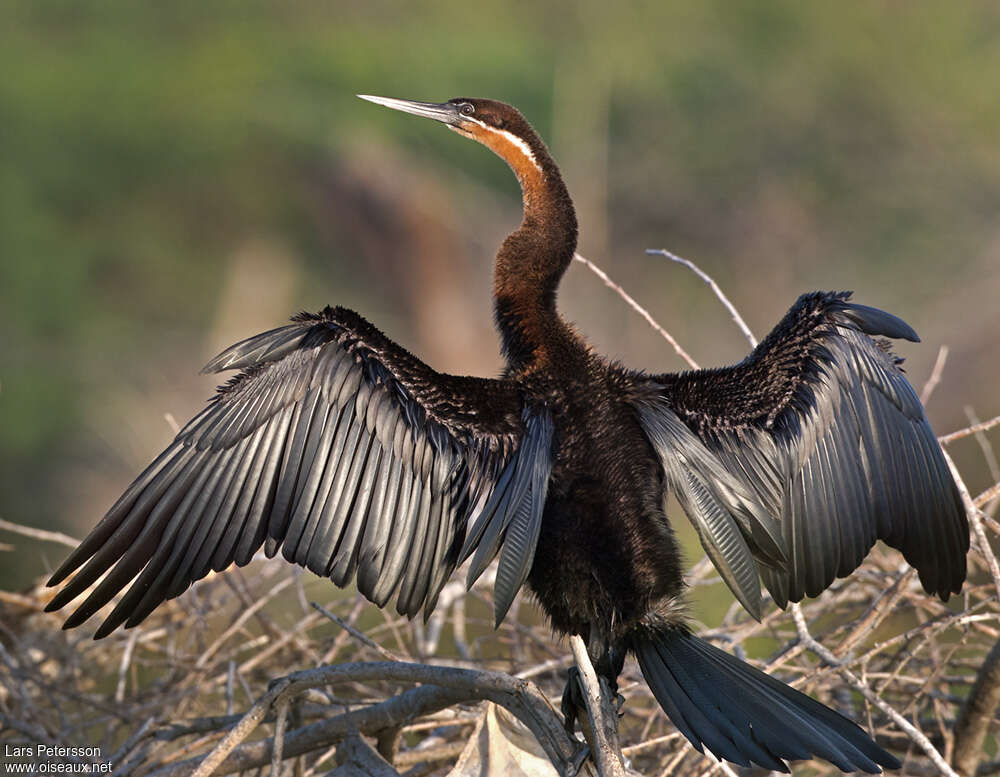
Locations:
(260, 671)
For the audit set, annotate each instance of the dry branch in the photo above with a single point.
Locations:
(603, 721)
(978, 712)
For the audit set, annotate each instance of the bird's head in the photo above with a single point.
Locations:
(498, 126)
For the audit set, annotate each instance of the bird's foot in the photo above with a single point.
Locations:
(573, 703)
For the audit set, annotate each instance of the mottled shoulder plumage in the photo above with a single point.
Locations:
(461, 404)
(766, 382)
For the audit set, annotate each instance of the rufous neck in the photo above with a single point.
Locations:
(531, 262)
(534, 257)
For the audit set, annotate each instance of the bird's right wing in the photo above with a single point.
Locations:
(821, 428)
(344, 451)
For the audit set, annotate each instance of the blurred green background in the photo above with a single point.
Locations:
(174, 177)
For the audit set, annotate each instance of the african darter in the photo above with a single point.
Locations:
(353, 458)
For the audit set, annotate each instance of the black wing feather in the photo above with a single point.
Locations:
(341, 450)
(821, 424)
(732, 526)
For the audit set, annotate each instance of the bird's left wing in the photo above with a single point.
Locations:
(821, 426)
(344, 451)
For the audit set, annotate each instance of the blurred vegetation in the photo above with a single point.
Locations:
(176, 176)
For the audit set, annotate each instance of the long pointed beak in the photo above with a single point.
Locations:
(443, 112)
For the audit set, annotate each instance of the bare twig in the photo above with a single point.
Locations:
(969, 431)
(660, 740)
(638, 309)
(988, 453)
(551, 665)
(737, 318)
(247, 724)
(280, 719)
(975, 523)
(991, 493)
(39, 534)
(125, 664)
(935, 376)
(364, 640)
(172, 422)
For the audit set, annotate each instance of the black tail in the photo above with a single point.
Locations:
(742, 714)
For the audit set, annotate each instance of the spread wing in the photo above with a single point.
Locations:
(344, 451)
(820, 423)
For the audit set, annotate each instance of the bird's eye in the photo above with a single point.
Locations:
(467, 109)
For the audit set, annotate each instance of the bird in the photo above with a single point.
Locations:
(350, 456)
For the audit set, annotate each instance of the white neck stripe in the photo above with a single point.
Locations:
(514, 139)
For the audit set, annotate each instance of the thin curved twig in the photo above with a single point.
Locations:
(935, 376)
(737, 318)
(638, 309)
(973, 515)
(359, 636)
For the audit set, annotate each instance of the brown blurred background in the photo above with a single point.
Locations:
(174, 177)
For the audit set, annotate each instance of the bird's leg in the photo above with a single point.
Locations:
(609, 667)
(574, 707)
(572, 700)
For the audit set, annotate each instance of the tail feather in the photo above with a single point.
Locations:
(803, 707)
(743, 715)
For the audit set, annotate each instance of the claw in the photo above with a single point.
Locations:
(578, 759)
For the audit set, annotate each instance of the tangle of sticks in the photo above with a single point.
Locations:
(247, 673)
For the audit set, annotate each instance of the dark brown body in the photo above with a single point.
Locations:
(606, 555)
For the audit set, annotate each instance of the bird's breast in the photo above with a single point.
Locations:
(606, 552)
